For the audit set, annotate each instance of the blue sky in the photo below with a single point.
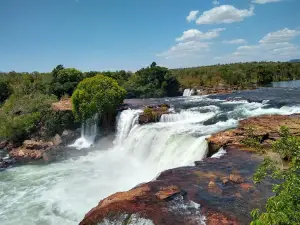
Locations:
(37, 35)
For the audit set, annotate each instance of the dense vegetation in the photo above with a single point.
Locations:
(284, 207)
(241, 75)
(26, 98)
(153, 81)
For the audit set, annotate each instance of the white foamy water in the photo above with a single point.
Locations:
(188, 92)
(62, 192)
(89, 129)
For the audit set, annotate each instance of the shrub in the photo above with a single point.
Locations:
(22, 115)
(148, 112)
(284, 207)
(18, 128)
(252, 140)
(99, 94)
(57, 122)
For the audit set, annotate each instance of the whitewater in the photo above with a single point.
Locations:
(62, 192)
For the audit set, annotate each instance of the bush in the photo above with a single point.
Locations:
(65, 80)
(22, 115)
(284, 207)
(18, 128)
(57, 122)
(99, 94)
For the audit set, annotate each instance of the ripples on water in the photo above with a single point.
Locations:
(62, 192)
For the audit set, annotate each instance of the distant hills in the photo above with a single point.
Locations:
(295, 60)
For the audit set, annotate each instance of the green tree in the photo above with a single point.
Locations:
(65, 80)
(99, 94)
(153, 81)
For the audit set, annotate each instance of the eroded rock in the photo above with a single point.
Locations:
(265, 128)
(191, 195)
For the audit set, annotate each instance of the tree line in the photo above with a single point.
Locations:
(242, 75)
(26, 98)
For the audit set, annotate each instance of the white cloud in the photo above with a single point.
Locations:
(224, 14)
(194, 34)
(186, 48)
(235, 41)
(215, 2)
(192, 16)
(273, 47)
(265, 1)
(283, 35)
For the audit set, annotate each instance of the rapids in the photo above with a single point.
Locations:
(62, 192)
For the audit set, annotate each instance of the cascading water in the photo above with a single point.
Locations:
(62, 192)
(89, 130)
(126, 120)
(188, 92)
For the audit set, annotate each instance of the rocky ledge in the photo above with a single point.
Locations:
(216, 191)
(153, 113)
(34, 150)
(265, 128)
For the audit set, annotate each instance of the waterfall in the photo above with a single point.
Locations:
(89, 130)
(186, 116)
(165, 144)
(125, 122)
(188, 92)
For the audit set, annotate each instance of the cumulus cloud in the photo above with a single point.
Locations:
(224, 14)
(265, 1)
(235, 41)
(192, 16)
(272, 47)
(185, 48)
(280, 36)
(194, 34)
(215, 2)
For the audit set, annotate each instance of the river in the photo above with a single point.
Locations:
(62, 192)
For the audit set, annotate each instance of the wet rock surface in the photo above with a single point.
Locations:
(265, 128)
(153, 113)
(35, 150)
(216, 191)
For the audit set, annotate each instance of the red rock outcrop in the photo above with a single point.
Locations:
(265, 127)
(33, 150)
(217, 191)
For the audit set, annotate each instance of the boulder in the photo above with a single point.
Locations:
(23, 155)
(5, 163)
(236, 178)
(36, 145)
(33, 150)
